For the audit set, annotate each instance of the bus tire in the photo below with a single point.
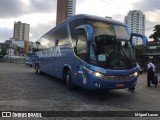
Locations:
(35, 65)
(131, 89)
(38, 71)
(68, 80)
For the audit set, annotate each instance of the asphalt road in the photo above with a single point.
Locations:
(23, 90)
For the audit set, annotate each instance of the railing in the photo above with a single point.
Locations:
(14, 60)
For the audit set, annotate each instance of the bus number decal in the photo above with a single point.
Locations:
(80, 70)
(84, 80)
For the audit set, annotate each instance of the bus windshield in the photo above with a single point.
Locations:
(111, 47)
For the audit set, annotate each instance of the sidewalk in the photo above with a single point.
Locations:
(143, 78)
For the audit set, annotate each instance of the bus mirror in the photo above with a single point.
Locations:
(89, 31)
(144, 38)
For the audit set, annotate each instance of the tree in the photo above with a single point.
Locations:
(156, 34)
(140, 50)
(3, 50)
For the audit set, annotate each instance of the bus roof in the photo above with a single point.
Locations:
(85, 16)
(93, 17)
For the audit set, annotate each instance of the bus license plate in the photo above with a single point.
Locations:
(119, 85)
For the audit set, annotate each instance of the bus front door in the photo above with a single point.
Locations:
(79, 72)
(81, 51)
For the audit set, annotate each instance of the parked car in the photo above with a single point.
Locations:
(29, 61)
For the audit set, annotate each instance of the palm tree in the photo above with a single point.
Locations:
(156, 34)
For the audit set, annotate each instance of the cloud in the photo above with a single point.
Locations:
(153, 16)
(4, 33)
(37, 13)
(118, 17)
(10, 8)
(40, 30)
(151, 9)
(147, 5)
(43, 6)
(41, 14)
(16, 8)
(39, 18)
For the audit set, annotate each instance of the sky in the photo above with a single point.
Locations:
(41, 14)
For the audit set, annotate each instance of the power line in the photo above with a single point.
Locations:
(111, 3)
(152, 2)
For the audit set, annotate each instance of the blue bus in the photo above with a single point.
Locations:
(91, 52)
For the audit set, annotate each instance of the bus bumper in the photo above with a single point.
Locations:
(95, 83)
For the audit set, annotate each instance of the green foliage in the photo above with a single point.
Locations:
(140, 50)
(3, 50)
(156, 34)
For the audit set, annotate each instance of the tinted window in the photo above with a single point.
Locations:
(73, 25)
(122, 32)
(61, 36)
(57, 37)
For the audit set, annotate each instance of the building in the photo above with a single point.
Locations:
(65, 9)
(21, 33)
(16, 45)
(149, 53)
(135, 20)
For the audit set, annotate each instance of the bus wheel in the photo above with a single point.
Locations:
(67, 78)
(38, 71)
(131, 89)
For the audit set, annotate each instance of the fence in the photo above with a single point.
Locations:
(15, 60)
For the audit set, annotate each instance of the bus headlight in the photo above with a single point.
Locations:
(100, 75)
(135, 74)
(97, 74)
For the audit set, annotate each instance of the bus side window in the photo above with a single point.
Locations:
(81, 46)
